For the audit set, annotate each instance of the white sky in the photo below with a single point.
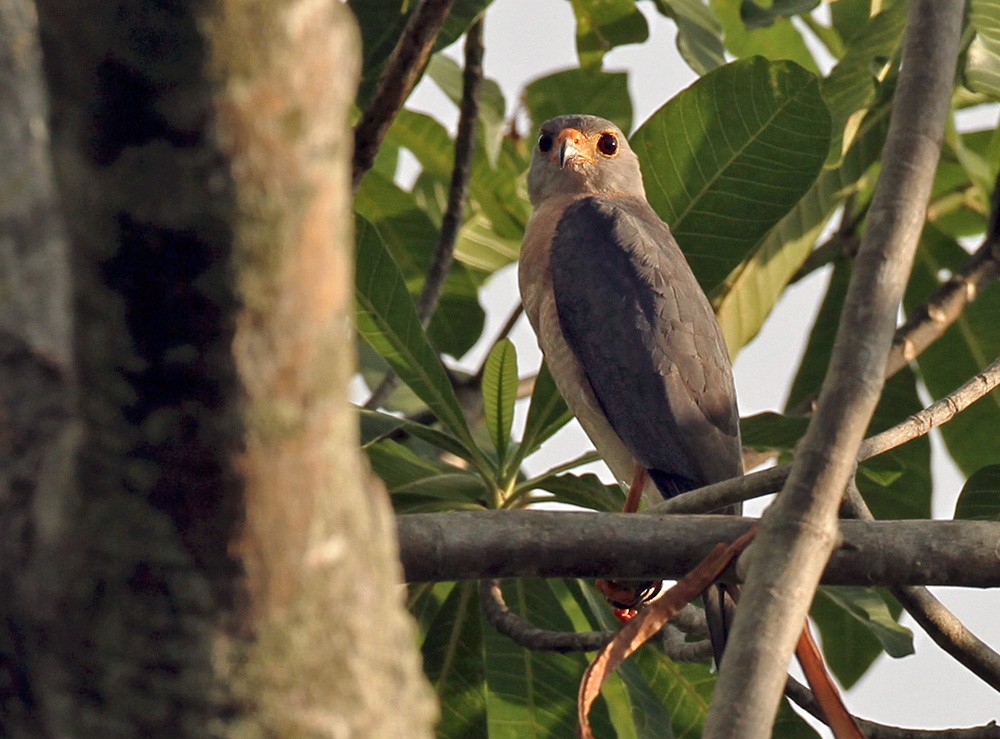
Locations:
(525, 39)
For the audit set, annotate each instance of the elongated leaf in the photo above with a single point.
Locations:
(585, 491)
(851, 86)
(755, 15)
(499, 395)
(772, 431)
(534, 693)
(970, 344)
(388, 321)
(723, 177)
(982, 64)
(580, 91)
(453, 660)
(547, 413)
(602, 25)
(699, 34)
(376, 426)
(853, 625)
(750, 292)
(980, 497)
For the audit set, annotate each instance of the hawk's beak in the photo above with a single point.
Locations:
(568, 149)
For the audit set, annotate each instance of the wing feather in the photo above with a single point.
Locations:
(644, 332)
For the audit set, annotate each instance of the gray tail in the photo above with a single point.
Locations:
(720, 608)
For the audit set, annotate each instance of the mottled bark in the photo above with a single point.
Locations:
(215, 561)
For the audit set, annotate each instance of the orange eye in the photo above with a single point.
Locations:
(545, 143)
(608, 144)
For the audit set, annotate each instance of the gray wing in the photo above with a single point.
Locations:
(646, 336)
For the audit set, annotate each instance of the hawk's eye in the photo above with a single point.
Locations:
(545, 143)
(608, 144)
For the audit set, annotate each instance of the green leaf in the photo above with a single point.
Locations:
(849, 17)
(781, 40)
(772, 431)
(411, 238)
(388, 321)
(376, 426)
(602, 25)
(547, 413)
(499, 394)
(852, 84)
(453, 661)
(900, 488)
(980, 496)
(426, 139)
(750, 292)
(699, 34)
(970, 344)
(982, 60)
(585, 491)
(870, 609)
(580, 91)
(723, 177)
(758, 16)
(533, 694)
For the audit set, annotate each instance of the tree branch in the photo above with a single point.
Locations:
(798, 532)
(929, 322)
(451, 222)
(476, 545)
(403, 69)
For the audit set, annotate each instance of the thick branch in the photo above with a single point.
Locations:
(474, 545)
(401, 73)
(798, 532)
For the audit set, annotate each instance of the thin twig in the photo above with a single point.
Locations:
(798, 532)
(402, 70)
(947, 631)
(451, 223)
(714, 497)
(528, 635)
(804, 698)
(929, 322)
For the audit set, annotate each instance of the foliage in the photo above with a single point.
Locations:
(748, 166)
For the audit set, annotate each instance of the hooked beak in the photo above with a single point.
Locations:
(568, 149)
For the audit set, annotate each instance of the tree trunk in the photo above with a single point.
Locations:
(226, 565)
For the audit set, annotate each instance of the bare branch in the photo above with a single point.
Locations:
(942, 309)
(401, 73)
(798, 532)
(451, 222)
(475, 545)
(526, 634)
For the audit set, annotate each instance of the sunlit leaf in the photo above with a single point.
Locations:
(499, 395)
(388, 321)
(727, 158)
(602, 25)
(492, 109)
(750, 292)
(980, 497)
(547, 413)
(982, 61)
(580, 91)
(699, 35)
(852, 84)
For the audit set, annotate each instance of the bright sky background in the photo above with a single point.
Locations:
(525, 39)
